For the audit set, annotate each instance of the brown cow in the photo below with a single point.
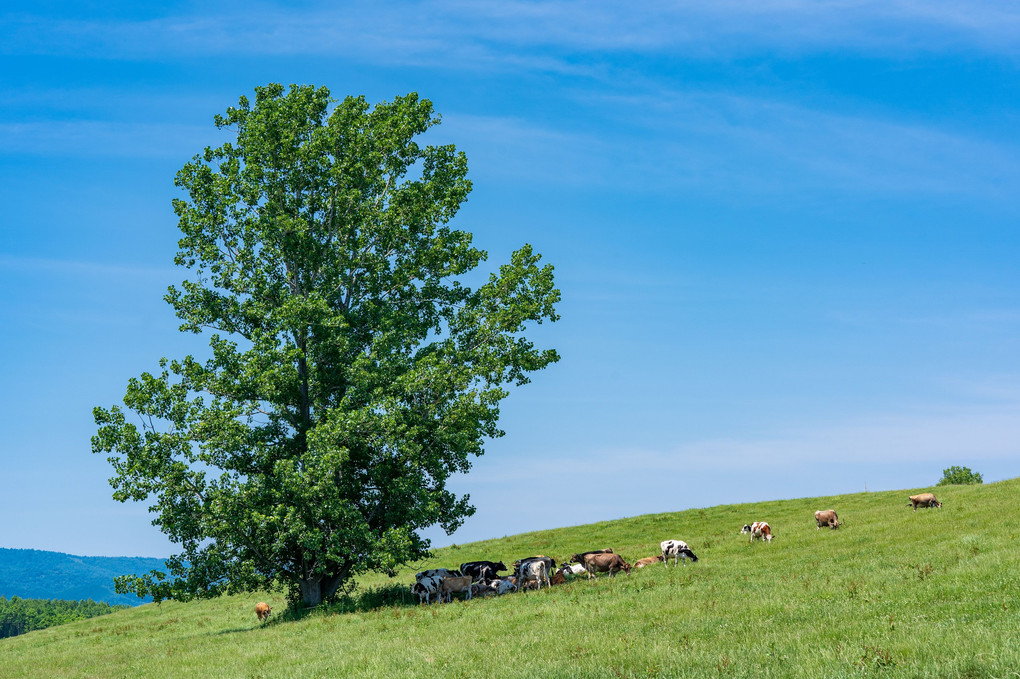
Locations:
(924, 500)
(827, 518)
(647, 561)
(605, 563)
(454, 583)
(262, 610)
(558, 578)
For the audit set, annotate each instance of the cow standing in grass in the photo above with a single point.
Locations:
(426, 587)
(605, 563)
(677, 549)
(452, 584)
(262, 611)
(533, 571)
(759, 530)
(550, 564)
(926, 500)
(827, 518)
(482, 570)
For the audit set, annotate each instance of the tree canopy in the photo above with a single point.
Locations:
(959, 476)
(352, 368)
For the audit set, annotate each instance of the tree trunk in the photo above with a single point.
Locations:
(316, 590)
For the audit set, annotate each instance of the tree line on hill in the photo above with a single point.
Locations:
(18, 616)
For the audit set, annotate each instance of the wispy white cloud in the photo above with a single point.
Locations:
(673, 141)
(662, 143)
(529, 34)
(729, 26)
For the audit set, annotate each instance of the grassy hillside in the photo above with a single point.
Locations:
(893, 593)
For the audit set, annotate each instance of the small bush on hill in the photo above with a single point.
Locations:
(959, 476)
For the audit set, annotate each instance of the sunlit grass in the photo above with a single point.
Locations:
(897, 593)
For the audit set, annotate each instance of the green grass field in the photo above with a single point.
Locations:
(893, 593)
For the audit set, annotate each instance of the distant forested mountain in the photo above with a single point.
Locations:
(18, 616)
(34, 574)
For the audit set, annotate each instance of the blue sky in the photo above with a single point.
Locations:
(786, 234)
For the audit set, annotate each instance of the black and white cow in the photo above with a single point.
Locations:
(441, 572)
(534, 571)
(677, 549)
(550, 563)
(426, 587)
(482, 570)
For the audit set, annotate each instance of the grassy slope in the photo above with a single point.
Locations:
(894, 593)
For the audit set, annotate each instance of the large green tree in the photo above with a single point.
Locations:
(352, 368)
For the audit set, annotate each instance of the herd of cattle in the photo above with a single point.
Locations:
(481, 578)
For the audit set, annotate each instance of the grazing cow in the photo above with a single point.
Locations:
(579, 558)
(603, 563)
(648, 561)
(533, 571)
(426, 587)
(482, 570)
(926, 500)
(827, 518)
(262, 611)
(454, 583)
(758, 529)
(677, 549)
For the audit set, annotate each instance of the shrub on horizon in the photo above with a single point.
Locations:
(959, 476)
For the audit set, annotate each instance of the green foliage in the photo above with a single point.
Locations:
(18, 616)
(352, 368)
(833, 604)
(959, 476)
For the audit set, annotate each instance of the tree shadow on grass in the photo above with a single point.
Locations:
(357, 601)
(371, 599)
